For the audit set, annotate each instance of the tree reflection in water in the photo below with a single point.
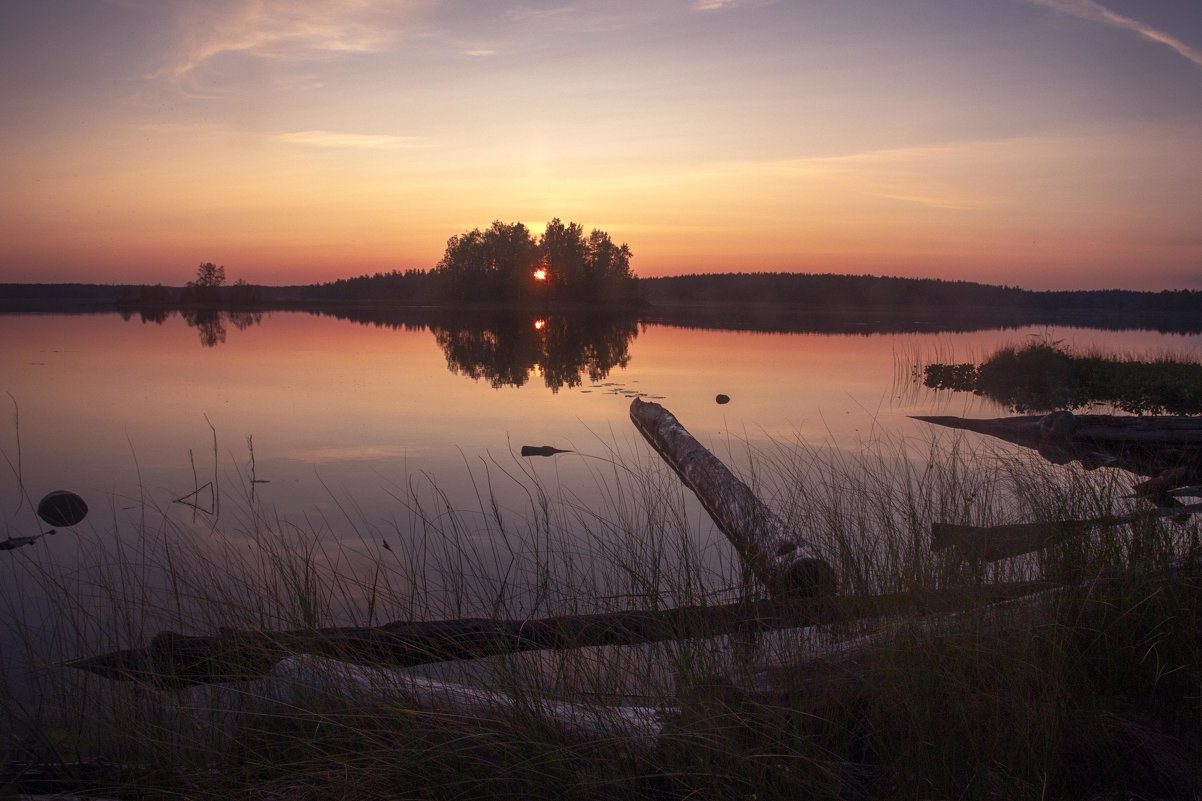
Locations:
(506, 349)
(210, 323)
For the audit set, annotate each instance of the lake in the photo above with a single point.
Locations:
(334, 409)
(359, 432)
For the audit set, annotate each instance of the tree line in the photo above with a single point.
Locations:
(506, 263)
(835, 291)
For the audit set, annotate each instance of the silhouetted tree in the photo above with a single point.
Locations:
(565, 255)
(607, 269)
(243, 294)
(500, 264)
(511, 255)
(207, 284)
(209, 274)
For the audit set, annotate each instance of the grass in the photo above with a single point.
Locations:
(1090, 693)
(1042, 376)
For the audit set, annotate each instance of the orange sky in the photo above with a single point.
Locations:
(1044, 143)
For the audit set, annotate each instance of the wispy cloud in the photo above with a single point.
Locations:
(587, 17)
(339, 139)
(294, 30)
(1096, 12)
(524, 13)
(724, 5)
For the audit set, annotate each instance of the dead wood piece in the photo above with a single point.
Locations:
(991, 543)
(303, 675)
(776, 555)
(174, 661)
(12, 543)
(541, 450)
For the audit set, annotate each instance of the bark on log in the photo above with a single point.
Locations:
(777, 556)
(174, 660)
(991, 543)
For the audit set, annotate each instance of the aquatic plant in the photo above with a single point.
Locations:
(1043, 376)
(1088, 691)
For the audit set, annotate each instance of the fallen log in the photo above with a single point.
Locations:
(1093, 430)
(1147, 446)
(991, 543)
(174, 661)
(781, 560)
(1083, 428)
(299, 677)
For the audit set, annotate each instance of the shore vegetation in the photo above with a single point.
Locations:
(1087, 689)
(1045, 376)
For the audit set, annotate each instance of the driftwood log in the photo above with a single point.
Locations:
(1147, 446)
(991, 543)
(175, 661)
(781, 560)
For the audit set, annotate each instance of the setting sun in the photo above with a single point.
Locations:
(540, 274)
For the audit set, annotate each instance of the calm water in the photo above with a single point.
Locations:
(118, 409)
(351, 421)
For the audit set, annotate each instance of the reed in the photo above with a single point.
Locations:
(1088, 693)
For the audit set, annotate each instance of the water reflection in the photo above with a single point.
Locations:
(502, 347)
(507, 349)
(210, 324)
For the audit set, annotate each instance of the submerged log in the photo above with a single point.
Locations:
(1091, 429)
(991, 543)
(175, 661)
(775, 554)
(1146, 446)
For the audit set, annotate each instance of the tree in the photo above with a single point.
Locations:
(564, 253)
(607, 273)
(207, 286)
(501, 264)
(497, 264)
(209, 275)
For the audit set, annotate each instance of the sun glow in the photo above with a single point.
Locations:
(540, 274)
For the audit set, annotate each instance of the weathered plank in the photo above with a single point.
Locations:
(780, 559)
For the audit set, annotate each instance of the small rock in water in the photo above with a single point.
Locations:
(722, 399)
(62, 508)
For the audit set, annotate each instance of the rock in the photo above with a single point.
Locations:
(62, 508)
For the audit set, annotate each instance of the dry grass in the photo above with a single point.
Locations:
(1094, 695)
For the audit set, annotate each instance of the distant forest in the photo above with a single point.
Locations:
(843, 291)
(720, 292)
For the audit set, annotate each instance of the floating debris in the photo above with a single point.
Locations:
(541, 450)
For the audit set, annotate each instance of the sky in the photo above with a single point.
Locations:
(1049, 144)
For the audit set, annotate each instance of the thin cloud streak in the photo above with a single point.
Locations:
(726, 5)
(287, 30)
(337, 139)
(1096, 12)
